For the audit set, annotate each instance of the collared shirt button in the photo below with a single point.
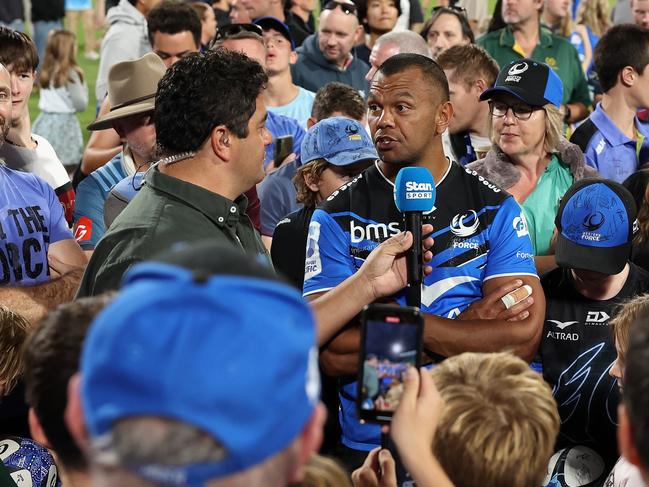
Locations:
(221, 219)
(233, 209)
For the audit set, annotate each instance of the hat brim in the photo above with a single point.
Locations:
(522, 95)
(276, 24)
(107, 120)
(606, 260)
(344, 158)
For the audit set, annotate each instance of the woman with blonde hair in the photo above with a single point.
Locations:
(63, 93)
(530, 158)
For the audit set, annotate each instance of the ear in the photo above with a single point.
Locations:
(443, 118)
(625, 437)
(310, 122)
(627, 76)
(480, 85)
(221, 142)
(311, 181)
(309, 441)
(73, 415)
(292, 58)
(36, 430)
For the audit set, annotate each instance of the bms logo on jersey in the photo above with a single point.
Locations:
(372, 231)
(312, 263)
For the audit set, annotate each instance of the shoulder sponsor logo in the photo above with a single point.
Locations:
(462, 229)
(600, 146)
(313, 263)
(524, 255)
(562, 335)
(282, 221)
(83, 229)
(520, 225)
(595, 318)
(484, 181)
(562, 324)
(372, 231)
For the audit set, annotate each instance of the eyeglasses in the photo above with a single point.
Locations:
(521, 111)
(230, 30)
(348, 8)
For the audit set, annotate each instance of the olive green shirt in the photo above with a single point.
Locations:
(553, 50)
(167, 211)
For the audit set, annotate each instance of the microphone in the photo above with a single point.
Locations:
(414, 193)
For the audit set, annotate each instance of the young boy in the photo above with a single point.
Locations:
(23, 150)
(613, 139)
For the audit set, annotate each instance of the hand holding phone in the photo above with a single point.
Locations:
(391, 341)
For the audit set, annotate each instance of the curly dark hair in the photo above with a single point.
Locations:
(202, 91)
(173, 17)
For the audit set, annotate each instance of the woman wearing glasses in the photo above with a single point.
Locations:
(530, 158)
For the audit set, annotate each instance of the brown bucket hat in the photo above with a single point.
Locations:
(132, 86)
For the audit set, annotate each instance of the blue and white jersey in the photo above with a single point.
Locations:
(479, 231)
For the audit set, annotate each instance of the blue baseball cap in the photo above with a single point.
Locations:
(234, 356)
(274, 23)
(28, 463)
(596, 221)
(530, 81)
(340, 141)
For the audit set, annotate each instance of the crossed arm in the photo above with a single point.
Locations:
(487, 326)
(67, 263)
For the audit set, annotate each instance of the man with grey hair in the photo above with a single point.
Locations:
(394, 43)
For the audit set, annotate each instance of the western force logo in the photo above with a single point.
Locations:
(593, 221)
(460, 227)
(515, 71)
(418, 191)
(518, 68)
(520, 225)
(312, 263)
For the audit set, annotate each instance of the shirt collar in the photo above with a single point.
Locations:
(507, 37)
(221, 210)
(613, 135)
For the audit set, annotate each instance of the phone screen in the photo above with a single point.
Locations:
(391, 343)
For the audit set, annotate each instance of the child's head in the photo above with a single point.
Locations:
(13, 332)
(17, 51)
(499, 422)
(60, 57)
(620, 325)
(19, 55)
(624, 67)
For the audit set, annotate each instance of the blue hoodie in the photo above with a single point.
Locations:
(312, 71)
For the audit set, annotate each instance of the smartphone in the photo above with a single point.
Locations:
(283, 147)
(391, 340)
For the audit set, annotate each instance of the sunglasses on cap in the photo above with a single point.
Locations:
(348, 8)
(230, 30)
(450, 9)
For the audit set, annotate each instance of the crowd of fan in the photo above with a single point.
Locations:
(181, 294)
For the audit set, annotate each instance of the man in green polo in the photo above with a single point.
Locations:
(523, 37)
(210, 122)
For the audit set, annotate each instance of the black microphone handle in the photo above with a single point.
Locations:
(414, 259)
